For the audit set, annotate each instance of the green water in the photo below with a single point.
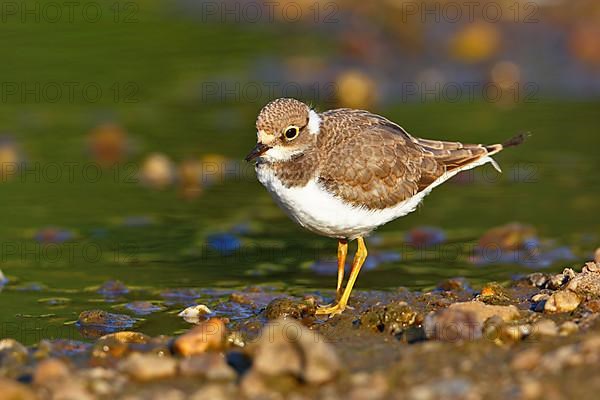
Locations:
(551, 182)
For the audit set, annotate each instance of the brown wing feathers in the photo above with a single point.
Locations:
(371, 162)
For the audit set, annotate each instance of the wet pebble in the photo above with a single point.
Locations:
(148, 367)
(556, 281)
(562, 301)
(286, 348)
(99, 322)
(215, 392)
(586, 283)
(284, 307)
(12, 390)
(544, 327)
(194, 314)
(369, 386)
(212, 366)
(112, 347)
(13, 355)
(143, 307)
(538, 279)
(113, 289)
(465, 320)
(208, 335)
(452, 388)
(50, 371)
(61, 348)
(527, 359)
(224, 243)
(392, 318)
(157, 171)
(425, 236)
(568, 328)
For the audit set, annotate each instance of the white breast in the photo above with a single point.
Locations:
(316, 209)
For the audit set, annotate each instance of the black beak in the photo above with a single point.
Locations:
(257, 151)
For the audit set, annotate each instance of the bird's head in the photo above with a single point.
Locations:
(285, 128)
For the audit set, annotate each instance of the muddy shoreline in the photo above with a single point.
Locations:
(536, 337)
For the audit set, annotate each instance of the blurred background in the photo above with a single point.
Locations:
(123, 126)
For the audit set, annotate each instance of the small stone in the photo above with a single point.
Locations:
(253, 386)
(562, 301)
(568, 328)
(464, 321)
(484, 311)
(50, 370)
(13, 356)
(514, 333)
(286, 347)
(597, 256)
(587, 283)
(143, 307)
(214, 392)
(526, 360)
(211, 366)
(194, 314)
(127, 337)
(556, 281)
(544, 327)
(12, 390)
(369, 386)
(569, 273)
(540, 297)
(148, 367)
(592, 266)
(538, 279)
(531, 389)
(284, 307)
(452, 326)
(487, 291)
(98, 322)
(208, 335)
(393, 318)
(454, 285)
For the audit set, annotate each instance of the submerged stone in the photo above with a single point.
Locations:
(143, 307)
(113, 289)
(425, 236)
(224, 243)
(284, 307)
(98, 322)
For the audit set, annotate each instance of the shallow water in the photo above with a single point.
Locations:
(113, 228)
(153, 241)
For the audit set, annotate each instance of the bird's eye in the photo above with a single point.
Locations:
(291, 132)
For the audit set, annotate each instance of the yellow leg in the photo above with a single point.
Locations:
(341, 259)
(359, 259)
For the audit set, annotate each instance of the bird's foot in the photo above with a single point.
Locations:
(331, 310)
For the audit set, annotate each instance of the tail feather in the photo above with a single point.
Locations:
(455, 155)
(516, 140)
